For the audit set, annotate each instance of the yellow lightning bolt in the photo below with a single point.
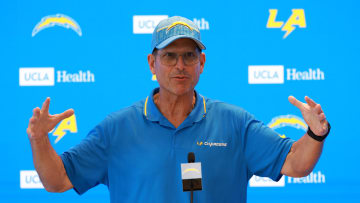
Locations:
(68, 124)
(282, 136)
(288, 28)
(297, 18)
(153, 78)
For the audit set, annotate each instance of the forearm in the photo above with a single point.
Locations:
(302, 157)
(49, 166)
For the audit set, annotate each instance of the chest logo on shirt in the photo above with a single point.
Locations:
(211, 144)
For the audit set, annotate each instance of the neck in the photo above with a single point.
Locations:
(175, 107)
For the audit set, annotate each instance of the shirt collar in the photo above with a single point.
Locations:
(152, 113)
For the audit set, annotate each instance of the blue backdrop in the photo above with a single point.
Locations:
(91, 56)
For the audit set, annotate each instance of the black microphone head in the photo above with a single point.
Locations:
(191, 157)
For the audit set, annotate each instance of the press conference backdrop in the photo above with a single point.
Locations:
(92, 56)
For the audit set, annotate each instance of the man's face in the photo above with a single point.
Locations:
(177, 76)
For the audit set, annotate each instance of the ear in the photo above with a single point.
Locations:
(202, 62)
(151, 61)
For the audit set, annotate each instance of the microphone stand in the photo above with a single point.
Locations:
(191, 192)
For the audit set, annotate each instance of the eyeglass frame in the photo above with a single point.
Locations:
(198, 51)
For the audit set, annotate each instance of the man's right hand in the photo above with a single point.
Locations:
(47, 162)
(41, 123)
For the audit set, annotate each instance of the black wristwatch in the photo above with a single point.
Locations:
(316, 137)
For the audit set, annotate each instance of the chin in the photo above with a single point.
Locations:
(182, 91)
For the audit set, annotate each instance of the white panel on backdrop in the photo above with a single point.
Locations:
(30, 180)
(36, 76)
(257, 181)
(146, 24)
(266, 74)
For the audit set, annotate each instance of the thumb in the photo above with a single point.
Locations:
(295, 102)
(64, 115)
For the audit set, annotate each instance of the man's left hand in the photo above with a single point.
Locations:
(312, 114)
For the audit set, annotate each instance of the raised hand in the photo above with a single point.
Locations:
(312, 114)
(41, 123)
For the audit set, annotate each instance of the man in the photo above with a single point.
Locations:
(137, 151)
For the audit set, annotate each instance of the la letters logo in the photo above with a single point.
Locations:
(68, 124)
(297, 18)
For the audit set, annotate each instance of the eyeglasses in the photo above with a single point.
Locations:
(171, 59)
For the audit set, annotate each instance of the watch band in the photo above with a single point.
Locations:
(316, 137)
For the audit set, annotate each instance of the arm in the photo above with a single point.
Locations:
(305, 152)
(47, 163)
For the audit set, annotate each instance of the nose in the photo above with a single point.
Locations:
(180, 63)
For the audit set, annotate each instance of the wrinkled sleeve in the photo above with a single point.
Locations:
(86, 164)
(265, 151)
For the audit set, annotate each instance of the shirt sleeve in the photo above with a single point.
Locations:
(265, 151)
(86, 163)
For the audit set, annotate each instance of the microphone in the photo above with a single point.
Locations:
(191, 157)
(191, 174)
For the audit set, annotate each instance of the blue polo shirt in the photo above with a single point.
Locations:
(136, 152)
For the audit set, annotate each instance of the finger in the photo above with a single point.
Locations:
(45, 106)
(28, 131)
(32, 122)
(310, 101)
(322, 117)
(295, 102)
(36, 112)
(63, 115)
(318, 109)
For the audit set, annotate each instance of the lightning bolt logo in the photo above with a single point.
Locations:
(68, 124)
(288, 29)
(297, 18)
(153, 78)
(57, 20)
(287, 120)
(178, 23)
(192, 169)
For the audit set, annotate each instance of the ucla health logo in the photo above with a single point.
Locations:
(36, 76)
(45, 76)
(274, 74)
(269, 74)
(284, 124)
(57, 20)
(29, 179)
(296, 19)
(145, 24)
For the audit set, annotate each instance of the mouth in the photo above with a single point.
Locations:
(180, 77)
